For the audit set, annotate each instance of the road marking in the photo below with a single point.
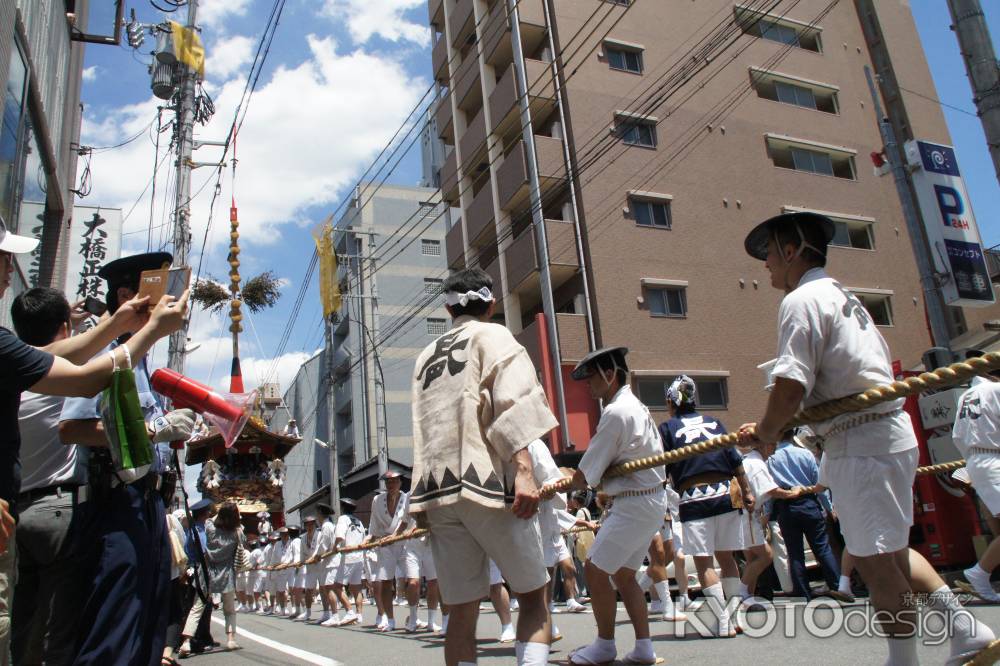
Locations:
(308, 657)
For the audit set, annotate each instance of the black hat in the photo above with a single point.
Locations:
(309, 519)
(125, 272)
(324, 508)
(758, 238)
(585, 368)
(201, 505)
(294, 529)
(391, 474)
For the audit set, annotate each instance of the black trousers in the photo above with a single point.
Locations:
(803, 518)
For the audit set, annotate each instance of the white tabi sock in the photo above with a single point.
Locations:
(555, 630)
(663, 592)
(531, 654)
(845, 585)
(730, 587)
(413, 613)
(977, 571)
(444, 622)
(903, 652)
(714, 592)
(644, 581)
(506, 627)
(643, 650)
(967, 633)
(744, 590)
(432, 616)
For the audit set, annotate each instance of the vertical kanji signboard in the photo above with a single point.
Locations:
(956, 248)
(95, 239)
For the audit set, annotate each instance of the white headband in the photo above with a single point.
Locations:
(454, 298)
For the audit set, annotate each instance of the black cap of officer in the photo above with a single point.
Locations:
(125, 272)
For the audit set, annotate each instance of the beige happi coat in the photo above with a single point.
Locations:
(476, 402)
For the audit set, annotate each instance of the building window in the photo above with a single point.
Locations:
(636, 131)
(625, 60)
(851, 233)
(12, 144)
(879, 307)
(792, 33)
(437, 326)
(713, 392)
(667, 301)
(650, 213)
(789, 154)
(319, 478)
(430, 248)
(788, 90)
(432, 286)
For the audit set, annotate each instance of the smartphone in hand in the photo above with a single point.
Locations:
(95, 306)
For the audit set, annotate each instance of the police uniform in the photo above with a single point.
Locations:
(124, 619)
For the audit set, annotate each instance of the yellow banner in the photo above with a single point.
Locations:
(329, 288)
(188, 48)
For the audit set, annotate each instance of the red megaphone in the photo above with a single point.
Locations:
(228, 412)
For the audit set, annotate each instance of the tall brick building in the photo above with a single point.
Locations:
(645, 235)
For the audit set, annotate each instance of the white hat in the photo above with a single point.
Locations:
(13, 243)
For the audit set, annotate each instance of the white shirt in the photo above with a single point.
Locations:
(277, 553)
(293, 551)
(545, 470)
(759, 477)
(828, 343)
(311, 546)
(625, 432)
(381, 523)
(327, 539)
(352, 531)
(45, 460)
(977, 423)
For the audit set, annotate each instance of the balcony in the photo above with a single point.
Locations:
(341, 394)
(573, 344)
(473, 143)
(493, 270)
(460, 22)
(479, 217)
(496, 31)
(439, 59)
(442, 114)
(512, 176)
(521, 257)
(435, 14)
(449, 179)
(454, 243)
(466, 83)
(504, 108)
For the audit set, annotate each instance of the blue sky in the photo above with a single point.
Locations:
(341, 76)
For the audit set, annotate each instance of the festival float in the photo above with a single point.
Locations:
(242, 460)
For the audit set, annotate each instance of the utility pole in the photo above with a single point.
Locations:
(936, 313)
(331, 417)
(537, 216)
(970, 27)
(182, 205)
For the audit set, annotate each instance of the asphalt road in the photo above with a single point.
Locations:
(271, 640)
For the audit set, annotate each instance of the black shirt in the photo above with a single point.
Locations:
(21, 367)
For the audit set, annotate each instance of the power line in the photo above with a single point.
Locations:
(937, 101)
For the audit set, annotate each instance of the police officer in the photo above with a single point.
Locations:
(124, 619)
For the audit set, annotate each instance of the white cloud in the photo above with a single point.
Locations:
(228, 55)
(366, 18)
(213, 13)
(309, 132)
(90, 73)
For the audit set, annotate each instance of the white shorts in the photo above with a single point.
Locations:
(496, 578)
(390, 559)
(315, 574)
(350, 573)
(873, 496)
(627, 530)
(419, 560)
(554, 551)
(241, 581)
(371, 565)
(984, 472)
(753, 532)
(278, 581)
(297, 579)
(705, 536)
(467, 535)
